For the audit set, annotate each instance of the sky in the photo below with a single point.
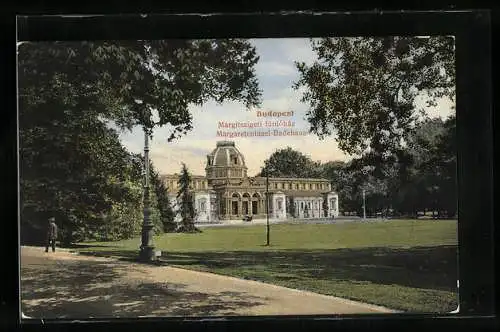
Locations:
(276, 73)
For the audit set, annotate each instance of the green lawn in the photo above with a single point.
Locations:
(401, 264)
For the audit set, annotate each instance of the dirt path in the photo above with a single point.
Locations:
(67, 285)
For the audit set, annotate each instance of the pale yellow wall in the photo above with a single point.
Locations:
(202, 183)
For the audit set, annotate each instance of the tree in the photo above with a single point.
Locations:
(185, 196)
(72, 164)
(420, 176)
(291, 163)
(73, 167)
(332, 170)
(364, 89)
(358, 176)
(424, 175)
(437, 167)
(447, 157)
(125, 81)
(345, 186)
(416, 190)
(164, 206)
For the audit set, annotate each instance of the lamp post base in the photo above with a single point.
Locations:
(147, 254)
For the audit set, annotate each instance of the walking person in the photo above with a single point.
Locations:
(51, 235)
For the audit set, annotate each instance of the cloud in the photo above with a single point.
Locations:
(275, 68)
(169, 160)
(285, 50)
(443, 109)
(288, 100)
(298, 49)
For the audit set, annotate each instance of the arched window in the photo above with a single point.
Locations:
(203, 205)
(245, 205)
(234, 203)
(255, 203)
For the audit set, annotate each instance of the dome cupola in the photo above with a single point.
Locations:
(225, 162)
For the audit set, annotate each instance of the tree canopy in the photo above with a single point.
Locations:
(186, 199)
(364, 89)
(125, 81)
(424, 178)
(72, 163)
(288, 162)
(421, 177)
(74, 168)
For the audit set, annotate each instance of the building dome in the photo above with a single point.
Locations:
(225, 154)
(225, 162)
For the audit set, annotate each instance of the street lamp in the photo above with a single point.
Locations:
(364, 205)
(146, 253)
(267, 204)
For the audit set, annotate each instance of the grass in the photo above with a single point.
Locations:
(406, 265)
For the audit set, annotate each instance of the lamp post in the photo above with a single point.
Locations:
(364, 205)
(267, 206)
(146, 253)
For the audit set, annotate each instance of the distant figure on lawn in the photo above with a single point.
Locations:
(51, 235)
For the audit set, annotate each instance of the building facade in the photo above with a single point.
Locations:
(226, 192)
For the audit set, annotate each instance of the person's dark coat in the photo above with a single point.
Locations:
(52, 231)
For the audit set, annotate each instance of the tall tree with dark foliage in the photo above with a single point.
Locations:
(72, 93)
(186, 199)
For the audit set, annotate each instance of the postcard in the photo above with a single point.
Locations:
(238, 177)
